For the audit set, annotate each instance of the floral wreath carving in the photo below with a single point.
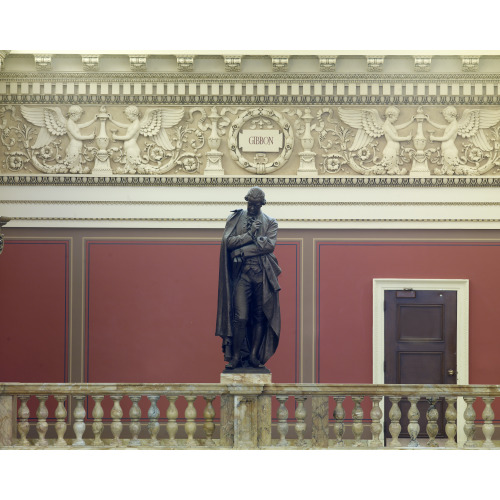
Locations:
(261, 114)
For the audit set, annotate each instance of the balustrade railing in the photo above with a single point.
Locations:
(300, 416)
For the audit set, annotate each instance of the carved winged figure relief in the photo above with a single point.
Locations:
(471, 126)
(53, 124)
(153, 126)
(371, 126)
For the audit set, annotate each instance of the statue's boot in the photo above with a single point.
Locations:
(258, 334)
(239, 333)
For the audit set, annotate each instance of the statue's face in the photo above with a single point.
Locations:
(253, 206)
(449, 117)
(392, 117)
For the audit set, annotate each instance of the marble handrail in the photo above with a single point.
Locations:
(443, 390)
(15, 388)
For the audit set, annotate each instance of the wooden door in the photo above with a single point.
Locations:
(420, 347)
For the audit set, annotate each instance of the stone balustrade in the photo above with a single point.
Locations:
(244, 413)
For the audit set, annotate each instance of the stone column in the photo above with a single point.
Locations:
(250, 416)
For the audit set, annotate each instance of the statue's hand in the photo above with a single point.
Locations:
(255, 226)
(237, 256)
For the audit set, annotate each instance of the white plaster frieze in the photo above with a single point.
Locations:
(404, 141)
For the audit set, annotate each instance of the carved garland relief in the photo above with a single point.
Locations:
(350, 141)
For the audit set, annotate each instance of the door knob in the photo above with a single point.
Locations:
(451, 372)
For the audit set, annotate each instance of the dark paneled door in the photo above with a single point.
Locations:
(420, 347)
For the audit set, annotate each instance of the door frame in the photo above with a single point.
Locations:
(461, 286)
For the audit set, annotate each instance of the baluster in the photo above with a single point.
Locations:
(116, 424)
(357, 421)
(23, 426)
(488, 427)
(395, 426)
(432, 426)
(172, 425)
(469, 427)
(376, 425)
(413, 426)
(42, 413)
(153, 425)
(97, 425)
(209, 426)
(61, 415)
(451, 422)
(135, 423)
(282, 420)
(338, 426)
(190, 425)
(79, 425)
(300, 417)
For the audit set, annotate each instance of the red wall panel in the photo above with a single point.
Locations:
(344, 301)
(34, 301)
(151, 309)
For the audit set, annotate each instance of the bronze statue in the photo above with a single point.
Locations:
(248, 312)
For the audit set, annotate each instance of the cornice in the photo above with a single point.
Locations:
(262, 77)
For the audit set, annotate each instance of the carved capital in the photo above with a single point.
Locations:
(422, 64)
(327, 63)
(280, 63)
(470, 64)
(90, 62)
(43, 62)
(138, 63)
(232, 63)
(375, 63)
(185, 63)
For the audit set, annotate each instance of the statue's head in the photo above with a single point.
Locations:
(132, 112)
(392, 113)
(255, 198)
(450, 113)
(75, 112)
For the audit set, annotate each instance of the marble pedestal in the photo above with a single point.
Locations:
(245, 411)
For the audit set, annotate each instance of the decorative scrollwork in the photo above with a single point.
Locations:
(262, 118)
